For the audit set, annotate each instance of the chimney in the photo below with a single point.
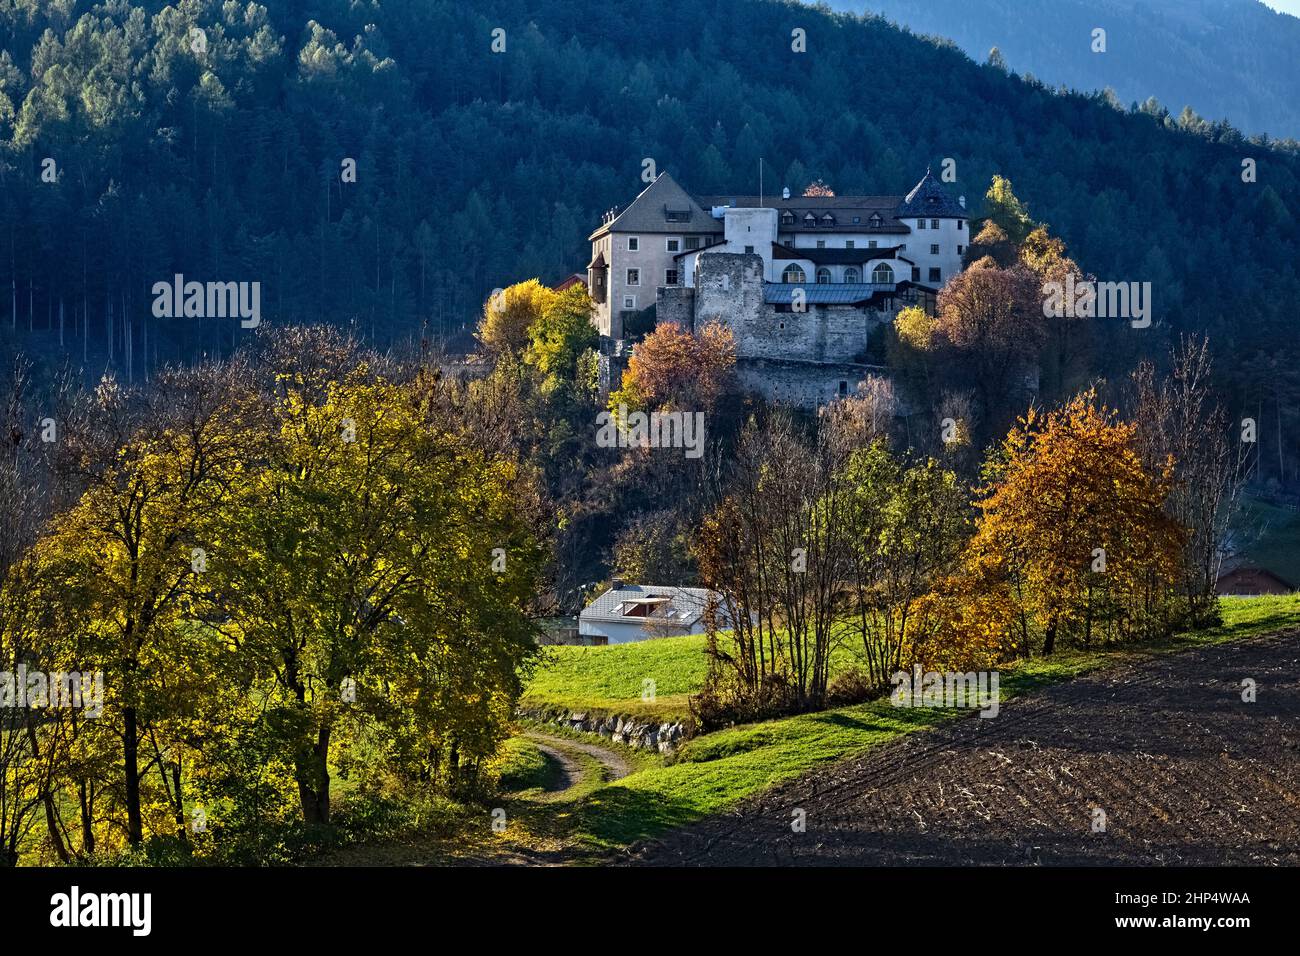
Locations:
(616, 584)
(785, 193)
(962, 200)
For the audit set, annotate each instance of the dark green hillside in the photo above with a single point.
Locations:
(476, 169)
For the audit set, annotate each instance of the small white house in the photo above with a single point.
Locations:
(639, 612)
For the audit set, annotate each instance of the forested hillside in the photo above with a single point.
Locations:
(1226, 59)
(476, 168)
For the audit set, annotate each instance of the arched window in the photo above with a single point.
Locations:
(793, 274)
(851, 274)
(882, 275)
(823, 276)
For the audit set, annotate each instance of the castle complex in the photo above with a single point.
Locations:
(802, 282)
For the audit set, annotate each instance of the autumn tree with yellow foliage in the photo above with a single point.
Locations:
(1073, 522)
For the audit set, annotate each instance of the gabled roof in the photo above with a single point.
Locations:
(576, 278)
(929, 198)
(1235, 564)
(680, 607)
(651, 211)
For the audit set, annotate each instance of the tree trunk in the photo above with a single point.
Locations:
(1049, 639)
(314, 778)
(86, 798)
(131, 753)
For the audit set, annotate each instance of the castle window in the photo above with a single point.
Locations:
(633, 276)
(961, 224)
(821, 243)
(934, 223)
(793, 274)
(670, 277)
(692, 242)
(633, 243)
(935, 275)
(851, 274)
(673, 245)
(920, 224)
(749, 250)
(934, 249)
(848, 244)
(823, 276)
(844, 387)
(916, 273)
(871, 243)
(960, 249)
(882, 275)
(629, 302)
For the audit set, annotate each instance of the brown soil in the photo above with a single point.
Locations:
(1185, 772)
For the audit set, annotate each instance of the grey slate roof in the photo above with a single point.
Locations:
(834, 257)
(685, 607)
(826, 293)
(929, 198)
(648, 213)
(844, 208)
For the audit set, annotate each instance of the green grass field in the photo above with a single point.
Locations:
(612, 679)
(714, 771)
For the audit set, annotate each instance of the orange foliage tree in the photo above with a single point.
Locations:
(1074, 522)
(672, 368)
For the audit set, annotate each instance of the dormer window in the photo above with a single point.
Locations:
(677, 215)
(876, 220)
(787, 218)
(810, 220)
(828, 220)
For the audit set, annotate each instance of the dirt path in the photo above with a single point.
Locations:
(1185, 772)
(572, 771)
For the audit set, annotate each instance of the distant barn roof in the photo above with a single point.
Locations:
(685, 605)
